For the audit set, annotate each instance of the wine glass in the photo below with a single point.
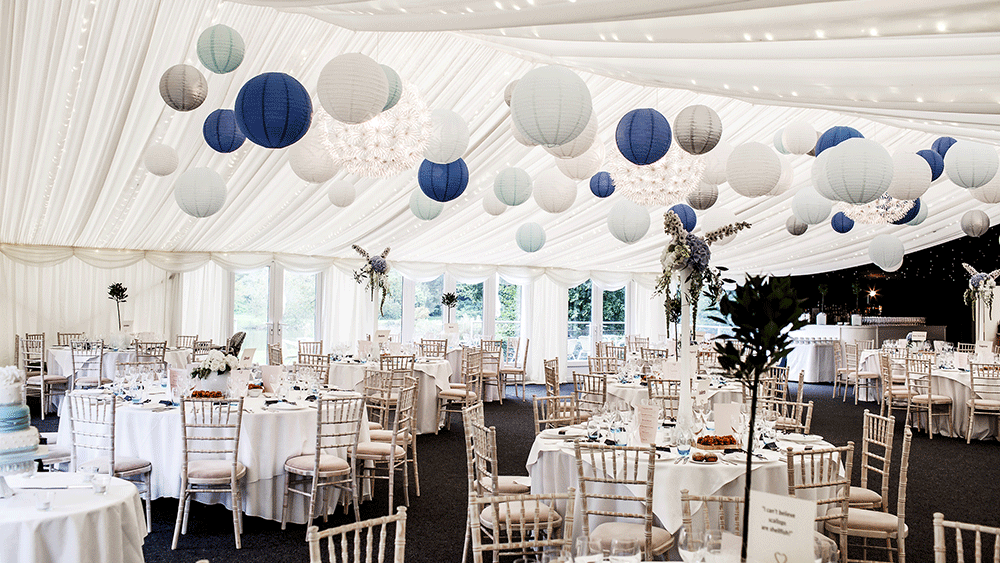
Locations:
(625, 550)
(690, 545)
(712, 546)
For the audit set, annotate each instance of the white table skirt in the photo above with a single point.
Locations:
(957, 385)
(61, 360)
(634, 393)
(81, 527)
(813, 356)
(432, 377)
(267, 439)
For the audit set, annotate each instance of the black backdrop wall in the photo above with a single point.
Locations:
(929, 284)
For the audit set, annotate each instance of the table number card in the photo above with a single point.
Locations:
(269, 376)
(962, 360)
(727, 418)
(780, 528)
(701, 392)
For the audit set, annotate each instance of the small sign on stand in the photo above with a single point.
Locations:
(780, 528)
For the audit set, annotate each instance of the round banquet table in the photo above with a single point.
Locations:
(81, 527)
(267, 438)
(815, 357)
(633, 393)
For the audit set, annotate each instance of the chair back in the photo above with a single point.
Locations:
(637, 342)
(378, 393)
(481, 451)
(616, 352)
(235, 343)
(349, 539)
(472, 371)
(790, 416)
(718, 512)
(966, 347)
(865, 344)
(150, 351)
(876, 451)
(319, 371)
(817, 473)
(851, 357)
(402, 424)
(511, 351)
(554, 411)
(838, 355)
(92, 425)
(774, 384)
(433, 348)
(200, 350)
(666, 393)
(181, 341)
(984, 384)
(653, 354)
(88, 360)
(64, 338)
(708, 360)
(210, 429)
(591, 391)
(963, 531)
(310, 347)
(602, 364)
(918, 375)
(552, 377)
(274, 357)
(529, 526)
(396, 362)
(338, 425)
(33, 353)
(491, 345)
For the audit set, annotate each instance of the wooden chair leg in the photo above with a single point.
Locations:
(284, 501)
(180, 516)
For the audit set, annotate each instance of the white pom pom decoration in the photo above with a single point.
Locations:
(970, 164)
(628, 221)
(911, 176)
(810, 207)
(551, 105)
(753, 169)
(160, 159)
(798, 137)
(512, 186)
(553, 192)
(200, 192)
(886, 251)
(353, 88)
(859, 171)
(449, 137)
(341, 193)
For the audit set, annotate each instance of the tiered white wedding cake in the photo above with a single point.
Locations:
(18, 439)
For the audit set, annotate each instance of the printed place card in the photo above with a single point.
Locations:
(646, 414)
(962, 360)
(780, 529)
(701, 392)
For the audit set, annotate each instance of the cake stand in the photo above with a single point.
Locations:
(17, 464)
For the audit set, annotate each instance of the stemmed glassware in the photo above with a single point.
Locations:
(690, 545)
(625, 550)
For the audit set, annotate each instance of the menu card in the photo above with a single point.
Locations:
(727, 418)
(270, 376)
(646, 415)
(962, 360)
(780, 528)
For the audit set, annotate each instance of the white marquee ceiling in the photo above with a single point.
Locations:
(81, 103)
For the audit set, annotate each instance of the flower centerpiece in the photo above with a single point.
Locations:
(214, 371)
(118, 293)
(449, 300)
(375, 273)
(981, 286)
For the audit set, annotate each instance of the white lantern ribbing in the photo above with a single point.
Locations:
(310, 160)
(512, 186)
(971, 165)
(530, 237)
(395, 87)
(987, 193)
(704, 196)
(160, 159)
(787, 177)
(715, 164)
(776, 141)
(628, 221)
(200, 192)
(553, 192)
(697, 129)
(551, 105)
(423, 207)
(585, 165)
(353, 88)
(810, 207)
(717, 218)
(794, 226)
(818, 172)
(449, 137)
(886, 251)
(341, 193)
(911, 176)
(520, 138)
(492, 205)
(753, 169)
(921, 214)
(509, 91)
(798, 137)
(183, 87)
(975, 222)
(859, 171)
(581, 144)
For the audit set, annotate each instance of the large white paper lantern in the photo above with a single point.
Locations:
(818, 172)
(585, 165)
(886, 251)
(987, 193)
(794, 226)
(921, 214)
(859, 171)
(581, 144)
(628, 221)
(160, 159)
(520, 138)
(220, 49)
(512, 186)
(553, 192)
(704, 196)
(492, 205)
(717, 218)
(341, 193)
(183, 87)
(509, 91)
(787, 178)
(753, 169)
(200, 192)
(697, 129)
(551, 105)
(310, 160)
(798, 137)
(810, 207)
(911, 176)
(449, 137)
(715, 164)
(970, 164)
(975, 222)
(353, 88)
(530, 237)
(423, 207)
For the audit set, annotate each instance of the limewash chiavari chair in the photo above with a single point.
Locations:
(721, 512)
(923, 397)
(274, 357)
(492, 350)
(604, 365)
(310, 347)
(150, 351)
(876, 458)
(514, 373)
(984, 393)
(817, 472)
(895, 393)
(64, 338)
(616, 352)
(636, 343)
(37, 381)
(520, 524)
(551, 377)
(791, 416)
(650, 355)
(181, 341)
(433, 348)
(966, 347)
(457, 399)
(977, 532)
(200, 350)
(350, 537)
(88, 363)
(666, 393)
(392, 456)
(591, 391)
(554, 411)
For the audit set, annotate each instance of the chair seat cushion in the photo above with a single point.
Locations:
(213, 471)
(990, 404)
(328, 464)
(122, 464)
(378, 450)
(869, 375)
(862, 496)
(662, 540)
(386, 436)
(374, 426)
(56, 455)
(936, 399)
(861, 522)
(49, 378)
(89, 381)
(459, 394)
(509, 513)
(506, 485)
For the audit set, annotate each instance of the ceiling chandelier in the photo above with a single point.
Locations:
(884, 210)
(665, 182)
(385, 145)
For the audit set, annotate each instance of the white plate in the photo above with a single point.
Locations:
(802, 438)
(566, 432)
(285, 407)
(741, 457)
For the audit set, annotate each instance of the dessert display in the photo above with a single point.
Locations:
(207, 395)
(717, 442)
(18, 438)
(702, 457)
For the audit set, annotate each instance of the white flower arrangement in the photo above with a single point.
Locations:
(11, 382)
(215, 361)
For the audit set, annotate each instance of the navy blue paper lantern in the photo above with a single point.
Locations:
(643, 136)
(602, 185)
(834, 136)
(841, 223)
(935, 161)
(443, 182)
(687, 216)
(942, 144)
(273, 110)
(910, 215)
(221, 132)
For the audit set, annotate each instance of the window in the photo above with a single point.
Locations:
(251, 310)
(613, 320)
(578, 340)
(508, 318)
(391, 318)
(469, 311)
(298, 317)
(428, 312)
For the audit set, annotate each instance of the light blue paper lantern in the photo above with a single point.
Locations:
(530, 237)
(687, 216)
(395, 87)
(601, 184)
(910, 215)
(834, 136)
(443, 182)
(220, 49)
(512, 186)
(423, 207)
(273, 110)
(221, 132)
(921, 215)
(643, 136)
(841, 223)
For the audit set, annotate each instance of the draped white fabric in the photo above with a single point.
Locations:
(348, 312)
(547, 324)
(204, 303)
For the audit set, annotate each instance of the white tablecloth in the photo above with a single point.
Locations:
(432, 376)
(815, 356)
(81, 527)
(61, 360)
(267, 439)
(632, 393)
(957, 385)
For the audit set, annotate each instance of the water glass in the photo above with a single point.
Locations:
(43, 500)
(100, 483)
(690, 545)
(625, 550)
(712, 546)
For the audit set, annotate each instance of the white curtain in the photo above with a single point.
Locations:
(205, 303)
(650, 319)
(548, 313)
(347, 312)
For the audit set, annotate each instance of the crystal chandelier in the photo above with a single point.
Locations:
(883, 210)
(665, 182)
(385, 145)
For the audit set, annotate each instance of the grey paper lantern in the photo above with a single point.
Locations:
(341, 193)
(353, 88)
(886, 252)
(160, 159)
(449, 137)
(988, 192)
(583, 166)
(798, 137)
(715, 164)
(858, 170)
(423, 207)
(553, 192)
(697, 129)
(512, 186)
(810, 207)
(200, 192)
(220, 49)
(911, 176)
(395, 84)
(581, 144)
(530, 237)
(628, 221)
(971, 165)
(975, 222)
(753, 169)
(551, 105)
(183, 87)
(492, 205)
(704, 196)
(794, 226)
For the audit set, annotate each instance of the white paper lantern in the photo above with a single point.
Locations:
(581, 144)
(975, 222)
(987, 193)
(798, 137)
(787, 178)
(886, 251)
(530, 237)
(341, 193)
(160, 159)
(753, 169)
(628, 221)
(449, 137)
(200, 192)
(492, 205)
(697, 129)
(551, 105)
(810, 207)
(971, 165)
(794, 226)
(921, 214)
(704, 196)
(818, 172)
(859, 171)
(553, 192)
(715, 164)
(509, 91)
(717, 218)
(395, 87)
(353, 88)
(512, 186)
(911, 176)
(520, 138)
(310, 160)
(776, 141)
(583, 166)
(183, 87)
(423, 207)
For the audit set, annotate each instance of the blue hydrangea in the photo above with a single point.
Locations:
(976, 281)
(700, 254)
(379, 265)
